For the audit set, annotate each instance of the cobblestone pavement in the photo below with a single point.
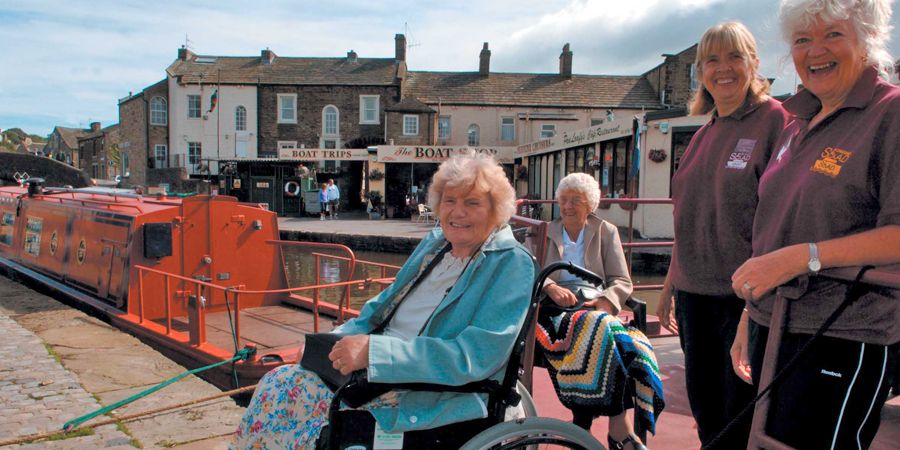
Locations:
(38, 394)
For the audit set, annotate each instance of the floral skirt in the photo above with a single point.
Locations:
(289, 409)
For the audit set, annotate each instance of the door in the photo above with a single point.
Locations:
(262, 190)
(241, 142)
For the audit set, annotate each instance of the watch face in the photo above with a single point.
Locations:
(815, 265)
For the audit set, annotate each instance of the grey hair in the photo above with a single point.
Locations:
(871, 20)
(583, 183)
(475, 171)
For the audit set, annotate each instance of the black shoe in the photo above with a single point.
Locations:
(616, 445)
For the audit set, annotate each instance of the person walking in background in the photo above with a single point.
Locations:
(830, 197)
(714, 193)
(323, 201)
(334, 198)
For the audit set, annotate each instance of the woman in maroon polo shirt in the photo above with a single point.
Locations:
(830, 197)
(714, 192)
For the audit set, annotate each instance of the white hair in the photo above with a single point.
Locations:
(475, 171)
(583, 183)
(871, 20)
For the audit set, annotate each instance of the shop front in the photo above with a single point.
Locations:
(408, 170)
(289, 184)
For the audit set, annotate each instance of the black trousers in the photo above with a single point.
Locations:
(706, 328)
(833, 397)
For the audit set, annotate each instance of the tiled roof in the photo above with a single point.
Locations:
(525, 89)
(410, 104)
(70, 135)
(285, 70)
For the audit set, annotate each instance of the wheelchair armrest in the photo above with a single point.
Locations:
(639, 308)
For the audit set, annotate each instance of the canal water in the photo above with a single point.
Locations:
(300, 266)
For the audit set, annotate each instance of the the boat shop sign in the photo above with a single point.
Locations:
(438, 154)
(324, 154)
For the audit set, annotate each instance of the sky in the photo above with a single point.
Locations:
(68, 62)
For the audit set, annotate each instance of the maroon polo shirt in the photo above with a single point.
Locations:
(714, 191)
(838, 178)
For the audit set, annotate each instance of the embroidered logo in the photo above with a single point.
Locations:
(741, 154)
(830, 162)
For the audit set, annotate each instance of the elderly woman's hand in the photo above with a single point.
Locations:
(760, 275)
(560, 295)
(350, 353)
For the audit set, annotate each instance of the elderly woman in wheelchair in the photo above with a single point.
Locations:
(591, 356)
(451, 317)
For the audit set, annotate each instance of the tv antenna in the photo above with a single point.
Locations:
(188, 44)
(410, 44)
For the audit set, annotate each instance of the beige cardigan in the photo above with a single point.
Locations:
(603, 255)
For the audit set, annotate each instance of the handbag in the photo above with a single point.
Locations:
(584, 292)
(315, 359)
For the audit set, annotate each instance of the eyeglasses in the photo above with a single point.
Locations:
(574, 201)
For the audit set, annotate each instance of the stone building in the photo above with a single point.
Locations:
(63, 144)
(144, 133)
(98, 152)
(675, 79)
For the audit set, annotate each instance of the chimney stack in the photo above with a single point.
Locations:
(184, 54)
(351, 56)
(95, 126)
(267, 56)
(484, 64)
(400, 47)
(565, 62)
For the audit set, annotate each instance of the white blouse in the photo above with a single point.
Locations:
(421, 302)
(573, 252)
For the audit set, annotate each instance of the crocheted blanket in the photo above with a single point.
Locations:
(592, 355)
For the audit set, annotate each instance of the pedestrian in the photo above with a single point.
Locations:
(830, 197)
(334, 198)
(714, 194)
(323, 201)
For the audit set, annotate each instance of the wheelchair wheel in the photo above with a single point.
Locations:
(527, 402)
(533, 433)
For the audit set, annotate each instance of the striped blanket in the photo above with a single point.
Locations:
(592, 355)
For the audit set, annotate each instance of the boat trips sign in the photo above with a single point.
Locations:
(438, 154)
(324, 154)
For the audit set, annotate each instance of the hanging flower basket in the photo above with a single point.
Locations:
(521, 172)
(376, 175)
(657, 155)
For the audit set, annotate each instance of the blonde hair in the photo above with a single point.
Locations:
(476, 171)
(871, 19)
(730, 36)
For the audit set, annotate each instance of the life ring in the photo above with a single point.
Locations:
(292, 188)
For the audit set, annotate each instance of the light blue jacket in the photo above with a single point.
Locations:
(468, 338)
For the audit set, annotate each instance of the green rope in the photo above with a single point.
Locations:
(242, 354)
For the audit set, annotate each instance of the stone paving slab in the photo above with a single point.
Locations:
(97, 362)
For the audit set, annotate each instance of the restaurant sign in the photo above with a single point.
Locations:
(569, 139)
(438, 154)
(324, 154)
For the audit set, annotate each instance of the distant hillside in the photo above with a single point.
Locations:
(13, 136)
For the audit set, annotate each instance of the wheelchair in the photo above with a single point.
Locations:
(355, 429)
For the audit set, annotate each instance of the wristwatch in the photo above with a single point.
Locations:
(814, 265)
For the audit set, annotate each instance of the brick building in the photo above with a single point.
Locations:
(674, 80)
(99, 152)
(63, 144)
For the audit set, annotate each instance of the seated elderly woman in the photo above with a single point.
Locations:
(450, 317)
(589, 374)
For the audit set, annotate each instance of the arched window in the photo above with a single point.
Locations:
(240, 118)
(474, 135)
(330, 121)
(158, 113)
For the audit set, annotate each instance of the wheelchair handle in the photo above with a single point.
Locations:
(574, 269)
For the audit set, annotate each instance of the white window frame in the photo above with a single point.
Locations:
(156, 101)
(161, 163)
(337, 121)
(474, 127)
(287, 145)
(190, 109)
(511, 126)
(281, 110)
(410, 120)
(548, 130)
(192, 159)
(363, 110)
(444, 132)
(238, 118)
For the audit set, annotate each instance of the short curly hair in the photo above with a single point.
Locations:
(583, 183)
(475, 171)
